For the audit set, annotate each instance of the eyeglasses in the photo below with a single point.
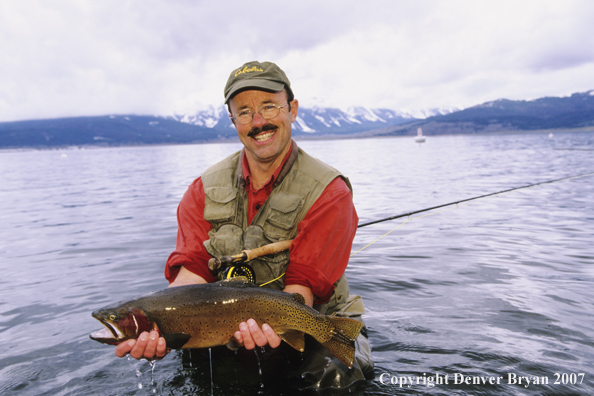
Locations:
(268, 111)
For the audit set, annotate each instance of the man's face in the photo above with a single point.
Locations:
(265, 140)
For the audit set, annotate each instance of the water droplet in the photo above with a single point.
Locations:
(211, 380)
(259, 367)
(153, 364)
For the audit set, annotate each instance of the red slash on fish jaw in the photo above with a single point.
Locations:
(138, 322)
(131, 324)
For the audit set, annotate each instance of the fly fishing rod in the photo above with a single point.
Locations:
(236, 265)
(472, 199)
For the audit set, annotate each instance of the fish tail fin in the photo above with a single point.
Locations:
(342, 343)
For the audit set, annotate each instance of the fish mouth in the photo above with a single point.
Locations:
(109, 332)
(103, 335)
(114, 330)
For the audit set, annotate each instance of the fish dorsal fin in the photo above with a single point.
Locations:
(295, 339)
(299, 298)
(236, 281)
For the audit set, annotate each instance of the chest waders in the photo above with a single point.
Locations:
(300, 183)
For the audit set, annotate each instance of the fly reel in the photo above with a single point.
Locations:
(242, 269)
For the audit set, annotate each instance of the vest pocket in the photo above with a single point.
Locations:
(220, 203)
(284, 209)
(226, 241)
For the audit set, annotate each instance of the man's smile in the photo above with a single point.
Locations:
(264, 133)
(263, 136)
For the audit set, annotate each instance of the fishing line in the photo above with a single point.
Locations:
(409, 219)
(574, 149)
(457, 203)
(275, 279)
(472, 199)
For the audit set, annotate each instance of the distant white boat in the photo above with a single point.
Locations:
(551, 135)
(420, 138)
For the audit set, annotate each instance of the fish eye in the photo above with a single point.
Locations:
(112, 317)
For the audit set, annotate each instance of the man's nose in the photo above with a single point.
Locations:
(258, 120)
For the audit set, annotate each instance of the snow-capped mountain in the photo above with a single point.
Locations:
(572, 112)
(316, 120)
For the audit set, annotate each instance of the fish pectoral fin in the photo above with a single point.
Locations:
(295, 339)
(233, 345)
(299, 298)
(176, 340)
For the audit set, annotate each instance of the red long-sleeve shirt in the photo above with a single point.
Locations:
(318, 255)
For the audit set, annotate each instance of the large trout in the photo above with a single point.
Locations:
(207, 315)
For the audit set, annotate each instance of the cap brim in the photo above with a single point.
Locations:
(256, 83)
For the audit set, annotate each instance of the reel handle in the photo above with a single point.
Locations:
(247, 255)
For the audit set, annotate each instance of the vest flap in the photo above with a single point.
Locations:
(220, 203)
(284, 209)
(220, 194)
(286, 203)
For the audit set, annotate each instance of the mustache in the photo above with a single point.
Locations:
(256, 130)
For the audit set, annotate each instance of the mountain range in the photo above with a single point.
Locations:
(317, 120)
(213, 124)
(549, 113)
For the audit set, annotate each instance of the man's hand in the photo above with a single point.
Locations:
(148, 346)
(151, 346)
(250, 335)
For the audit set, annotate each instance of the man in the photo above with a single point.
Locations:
(270, 191)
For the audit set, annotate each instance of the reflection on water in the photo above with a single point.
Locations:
(499, 287)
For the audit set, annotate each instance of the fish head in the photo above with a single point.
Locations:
(121, 323)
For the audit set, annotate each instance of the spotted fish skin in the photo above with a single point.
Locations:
(207, 315)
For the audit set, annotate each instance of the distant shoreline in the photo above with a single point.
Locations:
(362, 135)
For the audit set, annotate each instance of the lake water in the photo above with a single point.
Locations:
(500, 287)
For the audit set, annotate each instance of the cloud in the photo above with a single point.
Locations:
(82, 57)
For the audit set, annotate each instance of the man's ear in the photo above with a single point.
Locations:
(294, 109)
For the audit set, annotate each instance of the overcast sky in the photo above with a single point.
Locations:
(63, 58)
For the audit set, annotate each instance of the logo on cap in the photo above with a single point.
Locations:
(247, 70)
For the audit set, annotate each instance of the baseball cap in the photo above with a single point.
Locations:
(265, 76)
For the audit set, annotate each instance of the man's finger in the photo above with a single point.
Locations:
(238, 338)
(138, 351)
(257, 334)
(161, 348)
(124, 348)
(273, 339)
(246, 336)
(151, 346)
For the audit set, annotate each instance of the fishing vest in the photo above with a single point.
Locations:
(299, 184)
